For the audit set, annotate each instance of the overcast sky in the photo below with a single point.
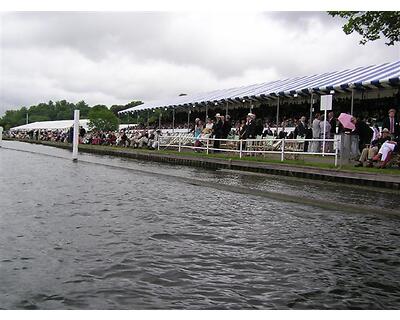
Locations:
(114, 58)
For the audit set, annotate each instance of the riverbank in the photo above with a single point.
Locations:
(389, 179)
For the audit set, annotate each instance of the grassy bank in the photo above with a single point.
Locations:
(311, 161)
(308, 161)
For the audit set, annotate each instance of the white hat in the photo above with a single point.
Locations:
(217, 115)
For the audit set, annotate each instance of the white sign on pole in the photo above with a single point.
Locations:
(326, 102)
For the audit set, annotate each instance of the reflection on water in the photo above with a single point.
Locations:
(87, 236)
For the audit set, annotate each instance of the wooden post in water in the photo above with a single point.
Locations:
(75, 140)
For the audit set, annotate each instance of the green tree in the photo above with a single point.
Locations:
(101, 118)
(59, 110)
(125, 117)
(372, 24)
(116, 108)
(83, 108)
(133, 104)
(13, 118)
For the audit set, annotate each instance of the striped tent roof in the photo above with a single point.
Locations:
(372, 77)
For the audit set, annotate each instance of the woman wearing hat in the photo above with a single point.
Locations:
(198, 128)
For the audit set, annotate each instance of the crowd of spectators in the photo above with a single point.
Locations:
(375, 144)
(383, 145)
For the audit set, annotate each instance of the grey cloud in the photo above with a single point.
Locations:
(114, 57)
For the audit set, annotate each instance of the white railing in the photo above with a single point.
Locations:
(252, 146)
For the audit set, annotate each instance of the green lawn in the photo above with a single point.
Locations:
(311, 161)
(300, 162)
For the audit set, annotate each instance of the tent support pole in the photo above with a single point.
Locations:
(277, 117)
(226, 108)
(311, 107)
(352, 102)
(188, 120)
(173, 119)
(206, 112)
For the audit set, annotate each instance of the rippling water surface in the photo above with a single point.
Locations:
(130, 235)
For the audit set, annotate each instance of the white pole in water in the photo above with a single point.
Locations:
(1, 136)
(76, 136)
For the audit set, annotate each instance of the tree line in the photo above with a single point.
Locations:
(64, 110)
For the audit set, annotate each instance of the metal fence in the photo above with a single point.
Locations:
(252, 147)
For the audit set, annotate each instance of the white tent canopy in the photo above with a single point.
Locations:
(51, 125)
(60, 124)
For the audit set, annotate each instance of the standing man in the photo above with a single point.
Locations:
(250, 126)
(71, 134)
(332, 122)
(227, 126)
(316, 131)
(218, 131)
(324, 123)
(302, 131)
(302, 127)
(364, 133)
(392, 124)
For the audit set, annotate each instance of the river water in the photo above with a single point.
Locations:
(110, 233)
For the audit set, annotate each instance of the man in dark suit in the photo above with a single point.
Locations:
(364, 133)
(218, 130)
(332, 122)
(392, 124)
(302, 131)
(227, 126)
(250, 127)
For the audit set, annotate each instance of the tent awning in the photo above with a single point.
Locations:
(373, 77)
(51, 125)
